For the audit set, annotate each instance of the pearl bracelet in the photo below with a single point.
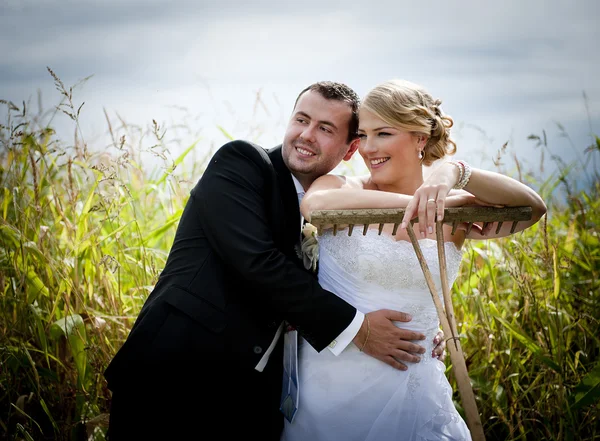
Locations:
(464, 174)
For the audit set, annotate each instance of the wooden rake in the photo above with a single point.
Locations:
(335, 218)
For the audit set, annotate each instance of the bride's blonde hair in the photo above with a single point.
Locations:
(408, 106)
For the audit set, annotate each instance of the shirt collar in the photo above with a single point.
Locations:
(298, 185)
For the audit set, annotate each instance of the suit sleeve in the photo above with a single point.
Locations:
(232, 200)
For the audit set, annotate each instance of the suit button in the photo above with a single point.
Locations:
(257, 350)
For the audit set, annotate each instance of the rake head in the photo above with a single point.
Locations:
(337, 219)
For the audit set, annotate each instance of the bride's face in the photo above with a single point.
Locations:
(391, 154)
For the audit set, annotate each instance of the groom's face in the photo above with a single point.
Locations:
(316, 138)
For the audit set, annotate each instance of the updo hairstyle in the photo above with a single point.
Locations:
(408, 106)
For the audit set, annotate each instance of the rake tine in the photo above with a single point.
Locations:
(454, 226)
(381, 228)
(366, 227)
(499, 226)
(335, 229)
(514, 226)
(469, 226)
(396, 225)
(350, 228)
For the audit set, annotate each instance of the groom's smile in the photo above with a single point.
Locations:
(304, 152)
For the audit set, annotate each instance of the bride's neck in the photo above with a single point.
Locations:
(403, 185)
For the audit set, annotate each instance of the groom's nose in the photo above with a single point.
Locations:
(309, 133)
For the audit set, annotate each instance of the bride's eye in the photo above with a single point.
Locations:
(362, 136)
(383, 134)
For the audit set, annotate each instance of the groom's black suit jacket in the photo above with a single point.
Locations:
(231, 277)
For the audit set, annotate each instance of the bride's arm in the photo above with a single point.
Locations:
(333, 192)
(495, 188)
(488, 187)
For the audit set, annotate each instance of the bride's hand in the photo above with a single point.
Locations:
(380, 338)
(429, 200)
(439, 351)
(429, 203)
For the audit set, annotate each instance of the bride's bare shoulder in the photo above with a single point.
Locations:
(358, 181)
(341, 181)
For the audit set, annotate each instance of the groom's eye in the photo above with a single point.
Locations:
(301, 120)
(326, 129)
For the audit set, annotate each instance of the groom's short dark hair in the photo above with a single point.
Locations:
(340, 92)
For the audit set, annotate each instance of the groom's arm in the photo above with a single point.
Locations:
(231, 201)
(348, 335)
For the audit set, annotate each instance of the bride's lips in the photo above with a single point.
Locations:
(378, 162)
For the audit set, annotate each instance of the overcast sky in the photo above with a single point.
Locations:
(503, 69)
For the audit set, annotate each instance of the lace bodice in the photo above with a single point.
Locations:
(382, 260)
(375, 271)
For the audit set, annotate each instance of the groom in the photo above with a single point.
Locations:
(204, 354)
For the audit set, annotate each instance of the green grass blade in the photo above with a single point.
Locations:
(73, 328)
(587, 392)
(225, 132)
(527, 341)
(177, 161)
(158, 232)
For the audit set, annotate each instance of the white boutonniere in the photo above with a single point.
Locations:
(308, 251)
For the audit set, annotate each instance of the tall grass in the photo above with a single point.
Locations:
(85, 233)
(529, 307)
(83, 237)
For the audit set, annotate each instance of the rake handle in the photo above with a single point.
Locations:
(459, 366)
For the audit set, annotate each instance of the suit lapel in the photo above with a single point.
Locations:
(289, 198)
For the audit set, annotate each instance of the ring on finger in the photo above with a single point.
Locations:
(431, 200)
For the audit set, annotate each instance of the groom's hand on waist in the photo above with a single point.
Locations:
(380, 338)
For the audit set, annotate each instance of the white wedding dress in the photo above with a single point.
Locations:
(354, 396)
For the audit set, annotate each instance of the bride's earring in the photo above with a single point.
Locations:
(420, 154)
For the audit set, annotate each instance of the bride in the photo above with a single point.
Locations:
(352, 396)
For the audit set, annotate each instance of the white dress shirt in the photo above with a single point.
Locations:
(342, 340)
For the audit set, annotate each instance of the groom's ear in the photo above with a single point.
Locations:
(353, 147)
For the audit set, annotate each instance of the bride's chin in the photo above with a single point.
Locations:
(376, 176)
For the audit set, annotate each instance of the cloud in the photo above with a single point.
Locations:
(508, 67)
